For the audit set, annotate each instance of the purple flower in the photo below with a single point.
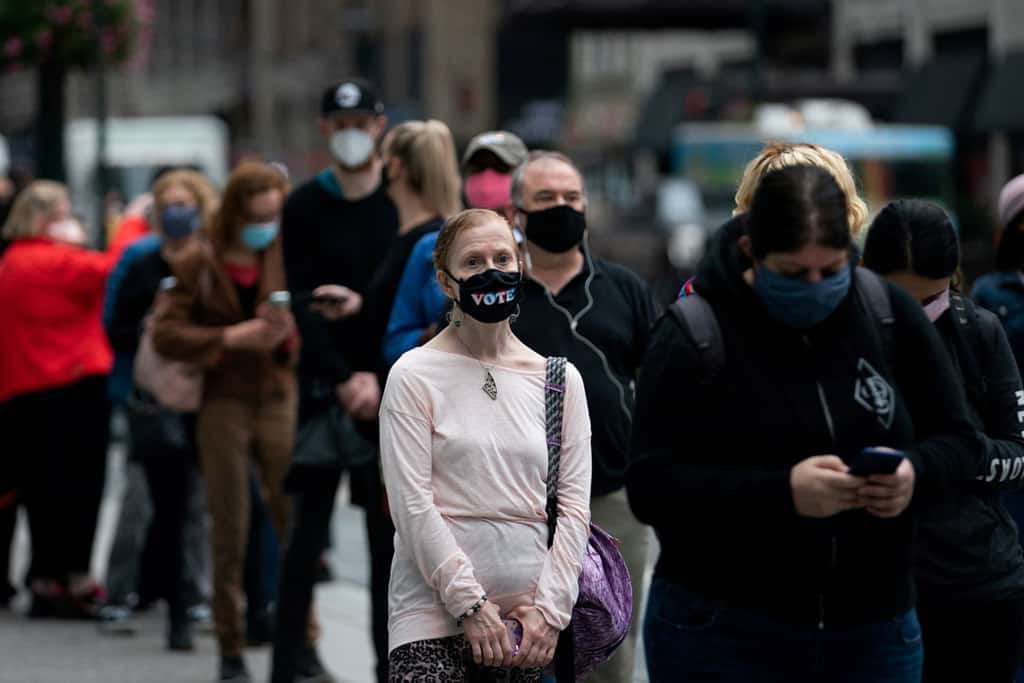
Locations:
(13, 47)
(44, 39)
(59, 14)
(109, 42)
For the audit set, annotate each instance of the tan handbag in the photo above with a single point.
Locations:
(176, 385)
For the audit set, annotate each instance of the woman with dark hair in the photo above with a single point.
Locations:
(219, 316)
(778, 562)
(970, 569)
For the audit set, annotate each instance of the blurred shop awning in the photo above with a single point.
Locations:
(942, 92)
(655, 14)
(1001, 104)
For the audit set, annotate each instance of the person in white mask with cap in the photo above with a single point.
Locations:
(337, 227)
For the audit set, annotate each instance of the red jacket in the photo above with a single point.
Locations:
(128, 230)
(51, 301)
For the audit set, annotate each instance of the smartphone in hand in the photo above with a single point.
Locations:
(515, 634)
(876, 461)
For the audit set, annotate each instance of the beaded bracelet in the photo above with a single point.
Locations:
(477, 606)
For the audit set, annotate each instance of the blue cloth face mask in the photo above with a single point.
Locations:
(797, 303)
(258, 236)
(177, 222)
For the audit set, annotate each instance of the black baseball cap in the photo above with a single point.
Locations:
(354, 95)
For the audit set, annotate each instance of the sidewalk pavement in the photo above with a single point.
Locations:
(47, 651)
(50, 651)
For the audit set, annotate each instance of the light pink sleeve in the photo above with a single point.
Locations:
(405, 451)
(558, 585)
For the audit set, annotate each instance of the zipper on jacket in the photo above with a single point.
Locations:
(834, 549)
(827, 411)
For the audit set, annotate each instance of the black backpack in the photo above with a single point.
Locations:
(696, 316)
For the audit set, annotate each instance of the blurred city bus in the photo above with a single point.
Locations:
(136, 148)
(707, 159)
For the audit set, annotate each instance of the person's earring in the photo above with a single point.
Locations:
(452, 320)
(515, 316)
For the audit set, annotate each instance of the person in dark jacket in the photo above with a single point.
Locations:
(336, 228)
(778, 564)
(183, 201)
(423, 181)
(970, 567)
(1002, 291)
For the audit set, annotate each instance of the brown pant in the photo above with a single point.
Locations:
(232, 433)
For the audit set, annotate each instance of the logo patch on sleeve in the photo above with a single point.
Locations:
(874, 394)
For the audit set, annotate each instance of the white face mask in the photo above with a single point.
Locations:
(68, 231)
(351, 147)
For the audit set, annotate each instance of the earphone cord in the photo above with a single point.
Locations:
(574, 322)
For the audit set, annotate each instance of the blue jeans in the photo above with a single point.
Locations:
(691, 638)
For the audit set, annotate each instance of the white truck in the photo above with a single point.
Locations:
(135, 149)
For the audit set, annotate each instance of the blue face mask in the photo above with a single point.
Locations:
(258, 236)
(797, 303)
(177, 222)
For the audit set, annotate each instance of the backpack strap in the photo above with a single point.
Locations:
(874, 293)
(965, 319)
(698, 318)
(554, 402)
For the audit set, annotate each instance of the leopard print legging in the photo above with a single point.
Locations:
(448, 660)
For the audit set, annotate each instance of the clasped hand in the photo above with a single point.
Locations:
(489, 640)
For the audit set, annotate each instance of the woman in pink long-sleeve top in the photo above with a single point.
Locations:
(464, 451)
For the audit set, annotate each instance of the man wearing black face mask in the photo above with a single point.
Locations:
(597, 314)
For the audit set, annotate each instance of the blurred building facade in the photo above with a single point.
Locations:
(963, 64)
(260, 65)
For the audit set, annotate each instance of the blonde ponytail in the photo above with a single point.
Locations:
(427, 151)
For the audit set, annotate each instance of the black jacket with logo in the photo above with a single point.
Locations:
(969, 552)
(711, 458)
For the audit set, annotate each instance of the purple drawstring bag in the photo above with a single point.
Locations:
(603, 610)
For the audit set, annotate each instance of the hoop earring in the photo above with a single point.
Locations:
(515, 316)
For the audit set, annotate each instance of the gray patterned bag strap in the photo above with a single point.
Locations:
(554, 400)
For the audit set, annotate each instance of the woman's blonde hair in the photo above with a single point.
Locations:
(39, 198)
(427, 151)
(196, 184)
(778, 156)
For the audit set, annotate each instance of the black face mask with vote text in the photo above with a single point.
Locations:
(490, 296)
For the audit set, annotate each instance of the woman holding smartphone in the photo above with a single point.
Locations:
(219, 315)
(970, 569)
(777, 563)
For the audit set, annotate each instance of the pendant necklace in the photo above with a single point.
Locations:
(490, 387)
